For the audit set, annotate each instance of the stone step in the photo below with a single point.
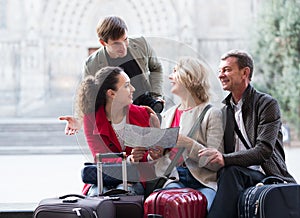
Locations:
(38, 136)
(25, 127)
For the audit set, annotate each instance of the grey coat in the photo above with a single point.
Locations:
(261, 116)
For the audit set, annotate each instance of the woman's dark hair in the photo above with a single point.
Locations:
(92, 91)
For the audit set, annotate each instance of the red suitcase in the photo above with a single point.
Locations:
(176, 203)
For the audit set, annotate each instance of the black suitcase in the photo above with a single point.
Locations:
(74, 206)
(126, 205)
(113, 204)
(280, 200)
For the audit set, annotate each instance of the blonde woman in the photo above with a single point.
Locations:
(189, 81)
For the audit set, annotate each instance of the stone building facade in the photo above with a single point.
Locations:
(43, 43)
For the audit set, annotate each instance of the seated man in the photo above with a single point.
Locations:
(257, 151)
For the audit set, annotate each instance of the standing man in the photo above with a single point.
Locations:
(134, 55)
(259, 151)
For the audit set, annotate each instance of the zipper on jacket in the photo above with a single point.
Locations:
(256, 207)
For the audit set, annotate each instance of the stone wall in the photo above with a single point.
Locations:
(43, 43)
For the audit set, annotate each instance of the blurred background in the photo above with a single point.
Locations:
(43, 45)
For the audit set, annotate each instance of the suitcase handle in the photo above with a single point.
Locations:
(72, 195)
(114, 192)
(100, 156)
(65, 199)
(272, 180)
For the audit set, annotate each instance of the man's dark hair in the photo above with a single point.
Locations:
(111, 27)
(243, 59)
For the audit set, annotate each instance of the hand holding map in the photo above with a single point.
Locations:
(136, 136)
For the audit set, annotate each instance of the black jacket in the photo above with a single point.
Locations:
(261, 116)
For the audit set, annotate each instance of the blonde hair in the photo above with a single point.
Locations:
(193, 74)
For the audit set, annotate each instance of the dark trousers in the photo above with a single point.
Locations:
(232, 181)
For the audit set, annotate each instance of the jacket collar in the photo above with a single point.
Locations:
(103, 127)
(133, 48)
(245, 97)
(102, 58)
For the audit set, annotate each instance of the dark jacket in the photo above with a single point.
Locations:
(261, 116)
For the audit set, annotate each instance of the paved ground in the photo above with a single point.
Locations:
(30, 178)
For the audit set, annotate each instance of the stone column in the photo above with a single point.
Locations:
(32, 79)
(186, 17)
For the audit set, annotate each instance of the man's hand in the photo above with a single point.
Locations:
(73, 125)
(154, 121)
(215, 160)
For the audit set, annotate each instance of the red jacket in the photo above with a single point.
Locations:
(100, 135)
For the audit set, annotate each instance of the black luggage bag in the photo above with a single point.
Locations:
(74, 206)
(112, 204)
(126, 204)
(265, 200)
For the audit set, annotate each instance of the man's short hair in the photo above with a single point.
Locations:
(111, 27)
(244, 59)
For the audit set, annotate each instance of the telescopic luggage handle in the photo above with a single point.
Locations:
(99, 158)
